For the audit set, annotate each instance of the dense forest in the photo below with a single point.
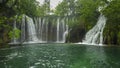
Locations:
(85, 12)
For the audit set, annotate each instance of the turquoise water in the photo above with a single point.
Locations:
(60, 56)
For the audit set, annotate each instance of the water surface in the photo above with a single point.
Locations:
(60, 56)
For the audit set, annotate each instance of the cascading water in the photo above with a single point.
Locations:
(23, 31)
(58, 24)
(32, 36)
(43, 30)
(62, 30)
(65, 34)
(95, 35)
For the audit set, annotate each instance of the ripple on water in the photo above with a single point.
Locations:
(37, 63)
(12, 55)
(32, 67)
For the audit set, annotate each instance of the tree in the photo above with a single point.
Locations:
(9, 9)
(66, 7)
(112, 29)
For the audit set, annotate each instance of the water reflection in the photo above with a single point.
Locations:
(97, 57)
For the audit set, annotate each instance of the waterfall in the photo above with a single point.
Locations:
(23, 31)
(32, 36)
(58, 22)
(95, 35)
(62, 30)
(65, 34)
(46, 27)
(42, 30)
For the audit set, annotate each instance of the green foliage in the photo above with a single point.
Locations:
(88, 11)
(2, 20)
(62, 8)
(18, 7)
(66, 7)
(11, 10)
(112, 12)
(15, 33)
(2, 24)
(27, 7)
(87, 8)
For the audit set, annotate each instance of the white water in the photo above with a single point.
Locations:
(42, 30)
(32, 36)
(58, 24)
(95, 35)
(65, 34)
(39, 31)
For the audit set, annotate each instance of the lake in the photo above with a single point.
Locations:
(60, 56)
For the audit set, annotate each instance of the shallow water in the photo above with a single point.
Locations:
(60, 56)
